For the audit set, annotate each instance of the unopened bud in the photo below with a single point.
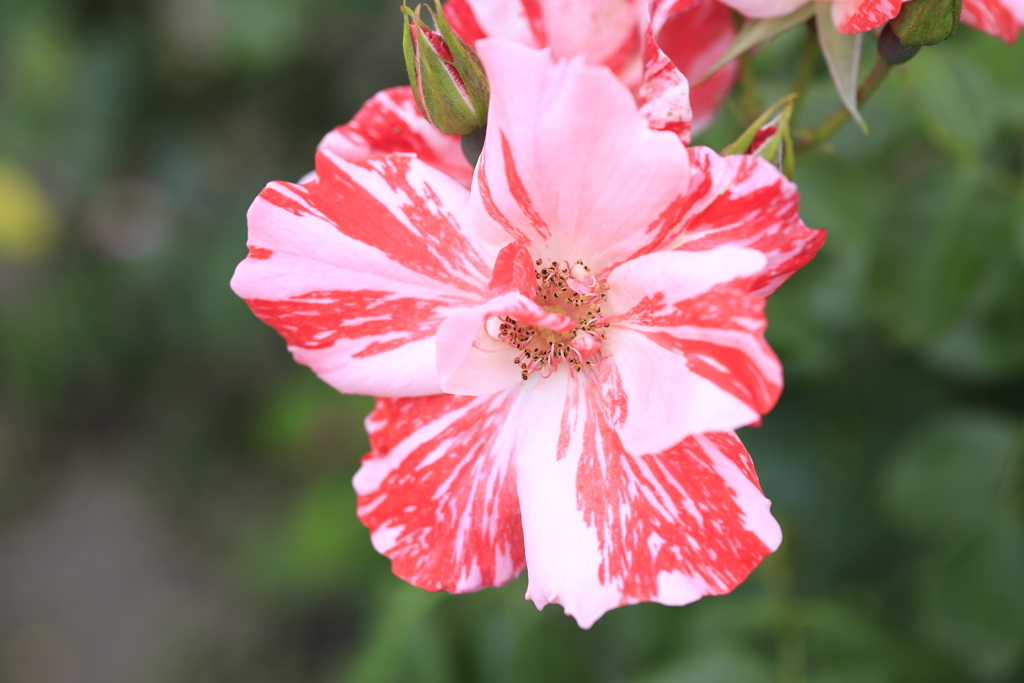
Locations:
(774, 141)
(446, 75)
(891, 50)
(926, 22)
(770, 137)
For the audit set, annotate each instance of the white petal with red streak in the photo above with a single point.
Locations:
(677, 275)
(357, 269)
(744, 201)
(390, 122)
(657, 401)
(569, 166)
(438, 490)
(681, 356)
(604, 528)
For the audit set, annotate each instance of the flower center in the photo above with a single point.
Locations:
(569, 290)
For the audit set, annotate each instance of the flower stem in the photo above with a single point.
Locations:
(749, 101)
(473, 145)
(809, 137)
(790, 644)
(805, 67)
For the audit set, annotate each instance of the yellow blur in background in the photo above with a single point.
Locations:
(28, 222)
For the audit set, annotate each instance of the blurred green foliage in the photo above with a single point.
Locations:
(895, 459)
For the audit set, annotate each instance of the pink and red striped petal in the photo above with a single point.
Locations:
(438, 490)
(693, 35)
(603, 32)
(604, 527)
(685, 352)
(658, 48)
(357, 268)
(664, 95)
(602, 188)
(389, 122)
(858, 16)
(745, 201)
(1000, 18)
(764, 9)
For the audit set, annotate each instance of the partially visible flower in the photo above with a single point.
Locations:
(562, 350)
(659, 48)
(1001, 18)
(849, 16)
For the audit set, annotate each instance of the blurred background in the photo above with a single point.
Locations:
(175, 503)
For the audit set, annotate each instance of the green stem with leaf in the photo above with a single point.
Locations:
(810, 137)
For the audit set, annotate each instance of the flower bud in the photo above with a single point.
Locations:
(446, 75)
(927, 22)
(774, 141)
(891, 50)
(770, 137)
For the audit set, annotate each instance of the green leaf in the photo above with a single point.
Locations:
(721, 664)
(945, 480)
(972, 600)
(842, 54)
(756, 31)
(405, 643)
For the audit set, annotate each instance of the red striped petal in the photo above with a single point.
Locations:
(604, 527)
(357, 268)
(389, 123)
(438, 490)
(694, 34)
(995, 17)
(858, 16)
(745, 201)
(686, 352)
(570, 186)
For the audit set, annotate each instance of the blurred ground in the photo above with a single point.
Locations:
(174, 492)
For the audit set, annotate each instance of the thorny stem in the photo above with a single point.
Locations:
(809, 137)
(805, 67)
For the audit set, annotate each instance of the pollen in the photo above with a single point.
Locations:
(570, 290)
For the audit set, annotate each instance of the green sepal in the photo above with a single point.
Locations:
(927, 22)
(466, 62)
(741, 144)
(437, 94)
(410, 56)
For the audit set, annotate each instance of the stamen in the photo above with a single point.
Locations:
(571, 290)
